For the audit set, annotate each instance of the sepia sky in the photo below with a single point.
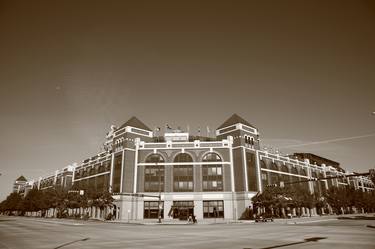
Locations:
(300, 71)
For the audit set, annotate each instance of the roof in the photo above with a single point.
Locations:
(21, 179)
(306, 154)
(135, 122)
(235, 119)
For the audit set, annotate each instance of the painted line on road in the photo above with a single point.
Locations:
(59, 222)
(311, 221)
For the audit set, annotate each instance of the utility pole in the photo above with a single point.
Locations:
(159, 200)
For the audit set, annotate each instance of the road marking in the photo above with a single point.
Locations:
(311, 221)
(59, 222)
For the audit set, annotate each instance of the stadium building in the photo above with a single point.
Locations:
(204, 176)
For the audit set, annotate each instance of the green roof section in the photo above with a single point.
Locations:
(21, 179)
(135, 122)
(235, 119)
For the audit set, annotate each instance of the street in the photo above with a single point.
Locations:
(21, 232)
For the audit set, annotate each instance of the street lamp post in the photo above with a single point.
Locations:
(159, 200)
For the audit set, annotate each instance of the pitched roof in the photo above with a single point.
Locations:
(235, 119)
(21, 178)
(135, 122)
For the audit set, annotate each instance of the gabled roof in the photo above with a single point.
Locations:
(21, 178)
(135, 122)
(234, 119)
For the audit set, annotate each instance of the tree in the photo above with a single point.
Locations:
(12, 203)
(102, 200)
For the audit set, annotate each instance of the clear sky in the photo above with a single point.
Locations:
(300, 71)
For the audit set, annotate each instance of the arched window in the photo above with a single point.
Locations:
(212, 173)
(263, 164)
(316, 185)
(294, 179)
(107, 165)
(101, 169)
(284, 178)
(304, 185)
(77, 174)
(85, 172)
(154, 174)
(183, 173)
(274, 166)
(294, 170)
(284, 168)
(322, 183)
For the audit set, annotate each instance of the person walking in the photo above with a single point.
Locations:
(190, 219)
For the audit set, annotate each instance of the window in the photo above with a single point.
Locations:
(183, 174)
(275, 178)
(101, 169)
(117, 174)
(263, 164)
(294, 179)
(251, 172)
(284, 178)
(182, 209)
(102, 182)
(107, 165)
(212, 174)
(249, 140)
(264, 179)
(284, 168)
(151, 209)
(154, 174)
(213, 209)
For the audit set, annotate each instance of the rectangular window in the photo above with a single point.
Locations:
(213, 209)
(154, 178)
(212, 177)
(151, 210)
(251, 172)
(182, 178)
(117, 174)
(182, 209)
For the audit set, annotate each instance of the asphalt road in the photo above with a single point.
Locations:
(19, 232)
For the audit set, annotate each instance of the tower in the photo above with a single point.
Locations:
(245, 145)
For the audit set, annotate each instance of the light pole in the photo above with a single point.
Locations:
(159, 200)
